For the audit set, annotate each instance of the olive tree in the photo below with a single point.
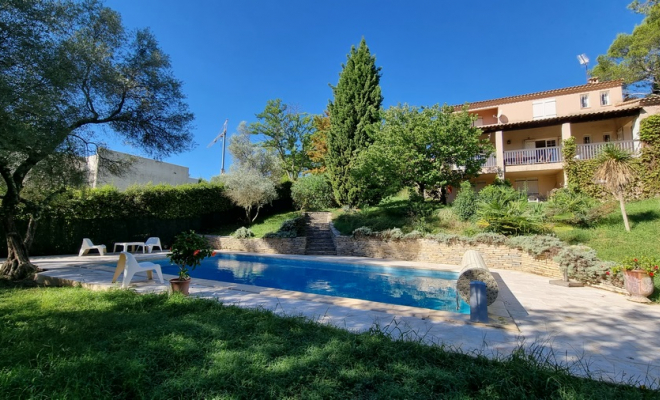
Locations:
(66, 67)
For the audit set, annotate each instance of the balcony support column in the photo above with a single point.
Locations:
(565, 134)
(499, 153)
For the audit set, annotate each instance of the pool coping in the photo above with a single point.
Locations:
(499, 317)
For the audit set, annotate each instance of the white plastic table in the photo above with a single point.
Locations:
(126, 245)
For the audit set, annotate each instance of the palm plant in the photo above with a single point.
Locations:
(616, 172)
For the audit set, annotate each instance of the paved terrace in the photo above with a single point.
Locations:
(592, 331)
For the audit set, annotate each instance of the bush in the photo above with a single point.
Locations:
(312, 192)
(505, 210)
(537, 245)
(363, 232)
(465, 205)
(392, 234)
(489, 238)
(243, 233)
(572, 207)
(583, 265)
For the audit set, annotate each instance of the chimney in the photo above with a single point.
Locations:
(593, 79)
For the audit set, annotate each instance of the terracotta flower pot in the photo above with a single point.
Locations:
(639, 284)
(179, 285)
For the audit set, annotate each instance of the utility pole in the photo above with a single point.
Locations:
(222, 135)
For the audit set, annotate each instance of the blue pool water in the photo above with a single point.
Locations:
(402, 286)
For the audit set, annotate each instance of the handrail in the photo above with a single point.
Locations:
(543, 155)
(592, 150)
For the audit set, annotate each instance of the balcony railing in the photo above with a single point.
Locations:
(589, 151)
(533, 156)
(491, 161)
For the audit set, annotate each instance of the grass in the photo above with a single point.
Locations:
(75, 343)
(260, 227)
(610, 239)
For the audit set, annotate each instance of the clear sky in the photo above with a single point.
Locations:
(233, 56)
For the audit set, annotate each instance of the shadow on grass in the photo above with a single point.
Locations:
(68, 342)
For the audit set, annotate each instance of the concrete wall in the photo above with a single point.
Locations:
(142, 171)
(265, 246)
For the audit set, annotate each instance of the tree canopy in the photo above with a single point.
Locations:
(65, 67)
(288, 134)
(424, 149)
(354, 117)
(635, 57)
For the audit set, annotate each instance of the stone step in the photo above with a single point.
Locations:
(320, 253)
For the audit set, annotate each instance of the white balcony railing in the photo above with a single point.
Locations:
(533, 156)
(589, 151)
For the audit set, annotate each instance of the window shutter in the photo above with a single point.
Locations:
(551, 108)
(537, 109)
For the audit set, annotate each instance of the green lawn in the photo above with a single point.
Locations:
(75, 343)
(610, 239)
(260, 227)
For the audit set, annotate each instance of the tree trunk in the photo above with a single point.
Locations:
(623, 212)
(29, 235)
(17, 265)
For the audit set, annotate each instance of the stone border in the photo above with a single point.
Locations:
(259, 245)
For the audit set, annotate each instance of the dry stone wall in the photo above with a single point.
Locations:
(265, 246)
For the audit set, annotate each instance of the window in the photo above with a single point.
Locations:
(584, 101)
(544, 109)
(529, 185)
(586, 139)
(607, 137)
(605, 98)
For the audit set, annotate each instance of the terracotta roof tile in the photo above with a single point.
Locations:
(540, 95)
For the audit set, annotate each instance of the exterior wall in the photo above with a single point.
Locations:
(565, 105)
(488, 116)
(141, 172)
(596, 129)
(519, 137)
(425, 250)
(264, 246)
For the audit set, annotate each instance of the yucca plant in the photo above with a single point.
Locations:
(615, 172)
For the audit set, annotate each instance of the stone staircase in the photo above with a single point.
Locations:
(319, 236)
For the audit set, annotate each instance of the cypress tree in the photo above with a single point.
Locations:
(354, 115)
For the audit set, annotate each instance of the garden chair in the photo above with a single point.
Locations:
(129, 266)
(153, 242)
(87, 245)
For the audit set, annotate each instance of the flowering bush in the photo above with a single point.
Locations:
(650, 265)
(188, 251)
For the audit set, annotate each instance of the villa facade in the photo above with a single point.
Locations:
(527, 131)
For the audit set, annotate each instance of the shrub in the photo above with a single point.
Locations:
(243, 233)
(413, 235)
(188, 251)
(312, 192)
(572, 207)
(489, 238)
(537, 245)
(446, 238)
(465, 205)
(392, 234)
(505, 210)
(583, 265)
(363, 232)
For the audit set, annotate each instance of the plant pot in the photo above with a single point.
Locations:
(639, 284)
(182, 286)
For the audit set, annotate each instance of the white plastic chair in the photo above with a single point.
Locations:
(153, 242)
(129, 266)
(87, 245)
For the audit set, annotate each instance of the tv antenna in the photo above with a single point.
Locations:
(222, 135)
(584, 60)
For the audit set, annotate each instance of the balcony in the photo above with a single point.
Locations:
(544, 155)
(590, 151)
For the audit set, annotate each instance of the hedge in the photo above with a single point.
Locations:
(107, 215)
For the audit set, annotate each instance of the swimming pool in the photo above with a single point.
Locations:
(423, 288)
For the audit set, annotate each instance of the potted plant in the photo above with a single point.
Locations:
(188, 251)
(638, 276)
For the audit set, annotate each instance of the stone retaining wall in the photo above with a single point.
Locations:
(266, 246)
(423, 250)
(426, 250)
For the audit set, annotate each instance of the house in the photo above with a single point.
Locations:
(137, 171)
(527, 131)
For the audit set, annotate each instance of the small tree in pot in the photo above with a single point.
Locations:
(188, 251)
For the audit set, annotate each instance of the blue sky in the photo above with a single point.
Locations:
(233, 56)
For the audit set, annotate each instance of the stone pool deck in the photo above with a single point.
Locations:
(594, 332)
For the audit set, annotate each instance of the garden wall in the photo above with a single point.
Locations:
(426, 250)
(265, 246)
